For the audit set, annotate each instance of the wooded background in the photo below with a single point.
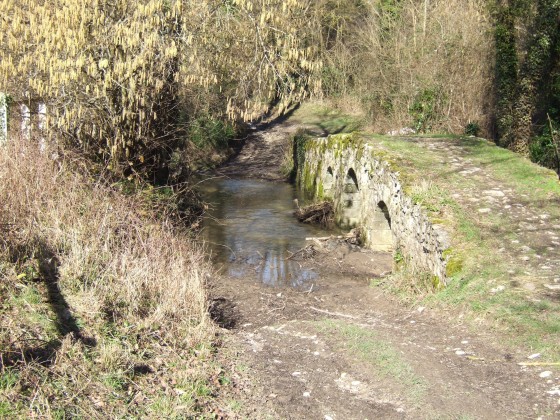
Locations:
(135, 82)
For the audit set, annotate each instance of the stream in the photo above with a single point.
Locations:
(251, 232)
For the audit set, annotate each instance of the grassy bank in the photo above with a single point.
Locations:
(103, 303)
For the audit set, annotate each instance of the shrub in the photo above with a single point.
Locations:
(392, 55)
(210, 132)
(544, 149)
(472, 129)
(426, 109)
(116, 75)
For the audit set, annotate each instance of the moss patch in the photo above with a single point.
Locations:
(454, 263)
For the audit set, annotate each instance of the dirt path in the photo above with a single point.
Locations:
(525, 231)
(261, 155)
(344, 349)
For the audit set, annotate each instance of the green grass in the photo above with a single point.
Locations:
(473, 242)
(235, 406)
(515, 170)
(436, 136)
(115, 381)
(30, 295)
(164, 407)
(7, 410)
(8, 379)
(326, 120)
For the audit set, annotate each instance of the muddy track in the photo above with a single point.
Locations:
(344, 349)
(261, 155)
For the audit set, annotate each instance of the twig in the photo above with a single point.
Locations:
(325, 238)
(349, 235)
(321, 213)
(295, 253)
(319, 238)
(333, 313)
(223, 245)
(539, 364)
(481, 359)
(280, 308)
(319, 243)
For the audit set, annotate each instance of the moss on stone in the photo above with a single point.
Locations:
(454, 262)
(340, 142)
(437, 284)
(320, 191)
(317, 181)
(408, 190)
(393, 164)
(438, 221)
(307, 180)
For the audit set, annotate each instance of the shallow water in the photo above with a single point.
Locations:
(251, 231)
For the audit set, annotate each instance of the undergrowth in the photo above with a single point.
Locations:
(103, 303)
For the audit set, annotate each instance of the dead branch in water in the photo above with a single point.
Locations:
(306, 252)
(352, 237)
(318, 213)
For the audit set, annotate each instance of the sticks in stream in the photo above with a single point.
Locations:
(318, 213)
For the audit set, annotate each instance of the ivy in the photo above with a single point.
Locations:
(506, 68)
(525, 92)
(425, 110)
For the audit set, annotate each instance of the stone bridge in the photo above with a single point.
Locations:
(369, 195)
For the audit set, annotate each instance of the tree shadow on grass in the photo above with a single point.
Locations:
(65, 323)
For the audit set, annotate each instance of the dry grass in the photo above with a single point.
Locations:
(103, 305)
(435, 55)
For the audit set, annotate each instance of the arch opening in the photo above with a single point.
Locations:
(328, 183)
(383, 207)
(351, 182)
(381, 235)
(350, 201)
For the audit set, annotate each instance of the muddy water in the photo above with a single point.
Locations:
(251, 231)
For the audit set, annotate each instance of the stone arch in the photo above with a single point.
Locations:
(385, 210)
(351, 181)
(328, 183)
(381, 235)
(350, 201)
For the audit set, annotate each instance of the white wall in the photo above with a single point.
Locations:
(3, 118)
(29, 124)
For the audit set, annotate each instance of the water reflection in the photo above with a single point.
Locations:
(251, 231)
